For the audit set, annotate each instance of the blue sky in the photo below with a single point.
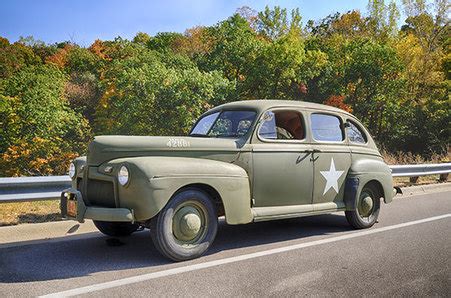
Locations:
(83, 21)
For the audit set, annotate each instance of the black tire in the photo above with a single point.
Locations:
(186, 227)
(365, 214)
(115, 229)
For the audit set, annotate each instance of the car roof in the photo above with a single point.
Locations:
(264, 104)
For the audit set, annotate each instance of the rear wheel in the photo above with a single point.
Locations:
(114, 229)
(186, 227)
(367, 210)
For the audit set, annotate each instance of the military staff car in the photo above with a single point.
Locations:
(248, 161)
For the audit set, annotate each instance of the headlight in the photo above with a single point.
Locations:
(123, 175)
(72, 170)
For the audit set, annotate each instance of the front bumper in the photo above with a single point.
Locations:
(90, 212)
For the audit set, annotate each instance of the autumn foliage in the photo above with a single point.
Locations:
(60, 58)
(38, 157)
(338, 102)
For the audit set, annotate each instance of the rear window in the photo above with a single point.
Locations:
(326, 128)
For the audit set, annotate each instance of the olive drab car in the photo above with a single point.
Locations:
(247, 161)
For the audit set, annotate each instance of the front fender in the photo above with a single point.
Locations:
(154, 180)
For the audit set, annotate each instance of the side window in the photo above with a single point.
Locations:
(268, 128)
(355, 133)
(282, 125)
(326, 128)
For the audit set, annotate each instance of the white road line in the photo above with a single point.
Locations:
(188, 268)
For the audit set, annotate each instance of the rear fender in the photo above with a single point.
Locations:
(364, 171)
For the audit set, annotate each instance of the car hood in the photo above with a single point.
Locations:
(105, 148)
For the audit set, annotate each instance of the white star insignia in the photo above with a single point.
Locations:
(331, 177)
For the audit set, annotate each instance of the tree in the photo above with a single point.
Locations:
(197, 43)
(142, 38)
(273, 23)
(249, 14)
(277, 71)
(41, 133)
(14, 57)
(234, 50)
(145, 95)
(383, 19)
(372, 77)
(164, 42)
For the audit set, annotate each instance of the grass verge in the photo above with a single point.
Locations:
(29, 212)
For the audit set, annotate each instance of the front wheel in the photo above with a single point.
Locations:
(186, 227)
(367, 210)
(115, 229)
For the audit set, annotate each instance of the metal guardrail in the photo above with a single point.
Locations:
(420, 170)
(24, 189)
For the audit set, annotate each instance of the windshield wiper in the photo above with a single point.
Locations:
(198, 135)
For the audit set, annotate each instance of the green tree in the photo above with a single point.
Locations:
(278, 69)
(372, 78)
(142, 38)
(274, 23)
(382, 20)
(234, 51)
(41, 133)
(146, 96)
(165, 41)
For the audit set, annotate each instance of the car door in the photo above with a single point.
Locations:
(282, 169)
(332, 159)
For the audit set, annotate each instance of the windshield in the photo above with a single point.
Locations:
(224, 124)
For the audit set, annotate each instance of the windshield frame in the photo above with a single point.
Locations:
(212, 111)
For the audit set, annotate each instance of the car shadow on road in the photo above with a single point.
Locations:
(260, 233)
(94, 255)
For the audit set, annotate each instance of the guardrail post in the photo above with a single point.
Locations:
(414, 179)
(443, 177)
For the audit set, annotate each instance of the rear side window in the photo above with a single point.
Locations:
(355, 133)
(326, 128)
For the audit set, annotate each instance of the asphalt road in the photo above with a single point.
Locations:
(408, 253)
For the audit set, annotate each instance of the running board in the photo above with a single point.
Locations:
(280, 212)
